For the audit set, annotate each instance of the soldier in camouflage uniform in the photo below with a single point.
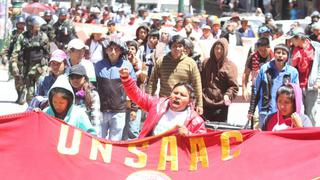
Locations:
(48, 27)
(11, 39)
(64, 29)
(32, 51)
(7, 52)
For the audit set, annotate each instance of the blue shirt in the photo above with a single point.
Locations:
(277, 78)
(104, 69)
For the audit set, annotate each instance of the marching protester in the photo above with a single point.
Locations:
(112, 96)
(271, 76)
(76, 51)
(134, 113)
(231, 34)
(314, 19)
(216, 29)
(61, 105)
(142, 34)
(86, 97)
(173, 68)
(260, 56)
(189, 50)
(146, 51)
(95, 51)
(306, 59)
(245, 30)
(289, 113)
(315, 36)
(167, 112)
(57, 66)
(219, 82)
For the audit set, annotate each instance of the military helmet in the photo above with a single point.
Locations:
(188, 43)
(315, 14)
(20, 19)
(62, 11)
(31, 21)
(268, 16)
(47, 13)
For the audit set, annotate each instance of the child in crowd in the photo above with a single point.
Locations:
(85, 96)
(61, 105)
(289, 115)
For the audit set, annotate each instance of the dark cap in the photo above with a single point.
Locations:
(111, 23)
(283, 47)
(78, 69)
(296, 32)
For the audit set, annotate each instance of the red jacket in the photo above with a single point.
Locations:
(156, 107)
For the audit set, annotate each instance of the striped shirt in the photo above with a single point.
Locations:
(170, 72)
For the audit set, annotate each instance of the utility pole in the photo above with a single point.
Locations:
(133, 5)
(181, 6)
(202, 11)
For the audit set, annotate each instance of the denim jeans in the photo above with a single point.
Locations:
(112, 125)
(311, 104)
(132, 128)
(262, 118)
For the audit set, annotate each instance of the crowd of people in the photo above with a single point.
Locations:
(153, 77)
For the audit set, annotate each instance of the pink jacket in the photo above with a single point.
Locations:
(156, 107)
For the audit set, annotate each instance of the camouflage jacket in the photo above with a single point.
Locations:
(64, 32)
(30, 48)
(48, 30)
(9, 43)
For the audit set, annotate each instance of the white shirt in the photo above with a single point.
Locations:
(169, 120)
(89, 69)
(96, 51)
(232, 40)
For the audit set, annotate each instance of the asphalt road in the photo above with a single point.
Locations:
(8, 95)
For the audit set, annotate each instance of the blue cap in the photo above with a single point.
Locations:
(264, 29)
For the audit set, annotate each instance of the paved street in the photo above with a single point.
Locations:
(8, 95)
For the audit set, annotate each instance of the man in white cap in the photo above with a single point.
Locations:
(76, 50)
(216, 29)
(206, 33)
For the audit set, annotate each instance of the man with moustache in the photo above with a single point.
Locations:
(270, 77)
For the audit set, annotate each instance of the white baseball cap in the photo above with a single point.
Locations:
(77, 44)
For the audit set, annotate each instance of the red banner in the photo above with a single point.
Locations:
(37, 146)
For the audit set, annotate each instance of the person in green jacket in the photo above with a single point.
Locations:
(61, 105)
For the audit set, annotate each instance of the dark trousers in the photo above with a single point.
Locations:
(219, 114)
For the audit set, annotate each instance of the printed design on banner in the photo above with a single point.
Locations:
(148, 174)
